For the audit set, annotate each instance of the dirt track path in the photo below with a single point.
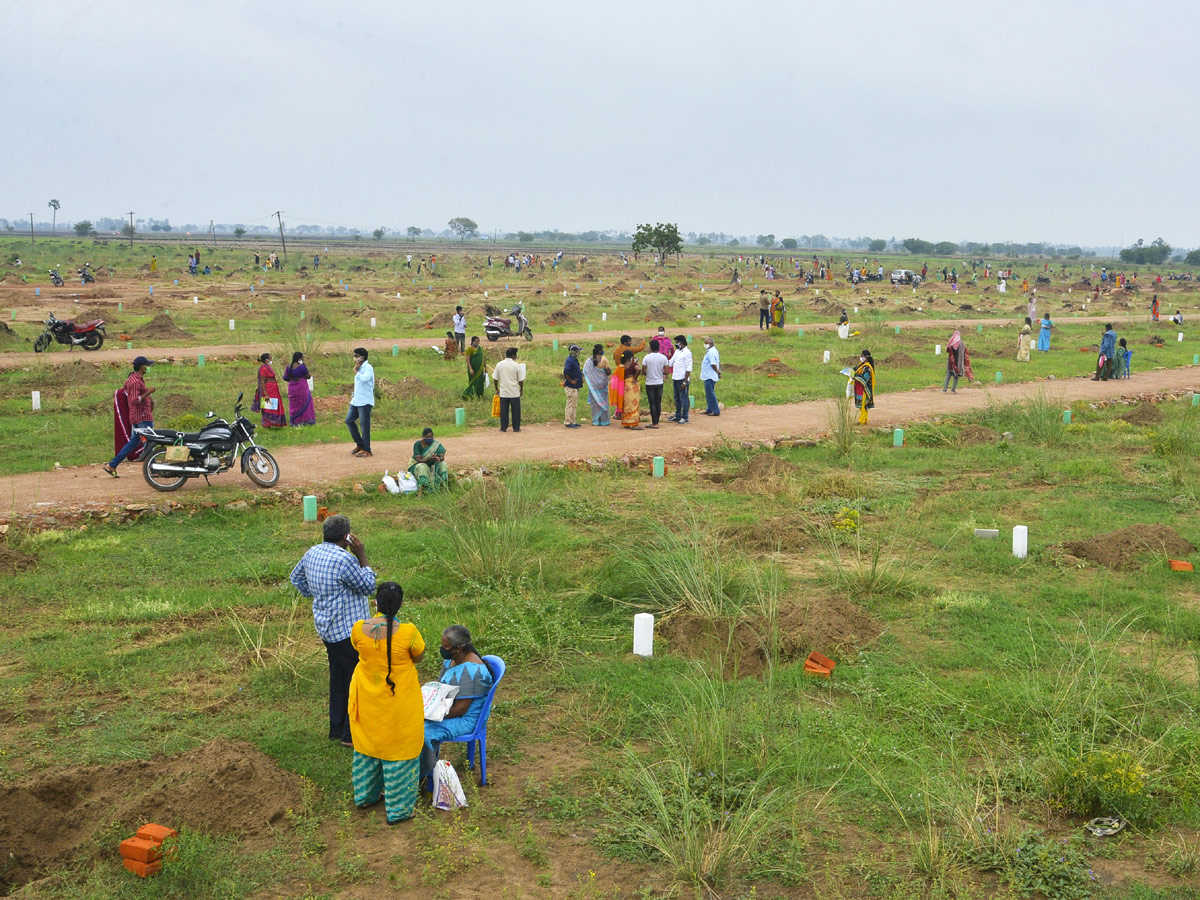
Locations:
(59, 357)
(314, 465)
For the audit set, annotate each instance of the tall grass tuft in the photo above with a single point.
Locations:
(1177, 442)
(290, 333)
(490, 528)
(865, 570)
(1041, 417)
(704, 841)
(680, 568)
(841, 417)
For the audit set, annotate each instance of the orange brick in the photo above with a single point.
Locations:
(156, 833)
(142, 869)
(141, 850)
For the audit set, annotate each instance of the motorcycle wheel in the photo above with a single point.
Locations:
(260, 467)
(42, 343)
(93, 340)
(493, 335)
(159, 481)
(528, 334)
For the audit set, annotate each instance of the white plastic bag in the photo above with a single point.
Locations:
(310, 384)
(390, 483)
(438, 698)
(447, 789)
(407, 482)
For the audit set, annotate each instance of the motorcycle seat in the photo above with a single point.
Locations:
(182, 436)
(86, 326)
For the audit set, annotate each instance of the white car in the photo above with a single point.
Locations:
(905, 276)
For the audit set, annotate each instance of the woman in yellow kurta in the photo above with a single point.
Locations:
(387, 715)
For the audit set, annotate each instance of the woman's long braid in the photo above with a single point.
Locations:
(389, 598)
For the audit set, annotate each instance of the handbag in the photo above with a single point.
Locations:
(447, 789)
(495, 406)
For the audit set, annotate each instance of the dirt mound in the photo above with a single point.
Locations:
(224, 786)
(1121, 549)
(900, 361)
(406, 389)
(319, 321)
(170, 405)
(5, 331)
(664, 310)
(970, 435)
(15, 561)
(563, 317)
(1155, 341)
(12, 278)
(161, 327)
(741, 648)
(1142, 414)
(441, 320)
(87, 314)
(774, 367)
(766, 473)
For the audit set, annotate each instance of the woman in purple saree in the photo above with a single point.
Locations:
(300, 401)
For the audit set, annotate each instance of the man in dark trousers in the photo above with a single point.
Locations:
(336, 576)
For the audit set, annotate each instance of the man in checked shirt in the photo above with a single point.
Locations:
(336, 576)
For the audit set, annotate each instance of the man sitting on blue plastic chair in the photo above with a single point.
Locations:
(467, 718)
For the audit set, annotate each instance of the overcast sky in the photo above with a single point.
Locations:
(1063, 121)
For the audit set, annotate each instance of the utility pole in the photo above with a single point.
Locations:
(279, 216)
(32, 239)
(131, 228)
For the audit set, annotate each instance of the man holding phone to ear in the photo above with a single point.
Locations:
(336, 576)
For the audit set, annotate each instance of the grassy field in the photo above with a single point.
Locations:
(983, 706)
(417, 387)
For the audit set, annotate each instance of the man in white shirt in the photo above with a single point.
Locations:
(710, 374)
(460, 329)
(510, 385)
(654, 364)
(361, 403)
(681, 377)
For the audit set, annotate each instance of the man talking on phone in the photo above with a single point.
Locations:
(336, 576)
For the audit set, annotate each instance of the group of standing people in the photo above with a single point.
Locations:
(375, 701)
(771, 309)
(613, 390)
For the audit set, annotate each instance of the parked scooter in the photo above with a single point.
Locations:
(88, 335)
(172, 457)
(495, 327)
(55, 278)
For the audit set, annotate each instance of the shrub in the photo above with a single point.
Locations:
(1104, 782)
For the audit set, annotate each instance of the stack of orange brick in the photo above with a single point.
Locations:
(143, 854)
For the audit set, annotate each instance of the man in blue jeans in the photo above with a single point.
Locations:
(681, 376)
(141, 411)
(361, 403)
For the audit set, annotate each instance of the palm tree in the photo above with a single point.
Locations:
(53, 204)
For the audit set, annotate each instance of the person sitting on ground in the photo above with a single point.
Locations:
(450, 347)
(1177, 318)
(386, 710)
(428, 464)
(463, 667)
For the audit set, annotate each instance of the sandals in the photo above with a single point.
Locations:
(110, 470)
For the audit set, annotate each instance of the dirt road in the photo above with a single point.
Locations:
(314, 465)
(59, 357)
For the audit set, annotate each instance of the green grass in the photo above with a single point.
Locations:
(998, 693)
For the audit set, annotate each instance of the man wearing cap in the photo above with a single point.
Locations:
(572, 382)
(141, 411)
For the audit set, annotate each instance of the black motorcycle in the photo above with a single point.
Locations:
(88, 335)
(55, 278)
(170, 458)
(85, 274)
(496, 327)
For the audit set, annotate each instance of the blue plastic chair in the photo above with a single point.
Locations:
(496, 666)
